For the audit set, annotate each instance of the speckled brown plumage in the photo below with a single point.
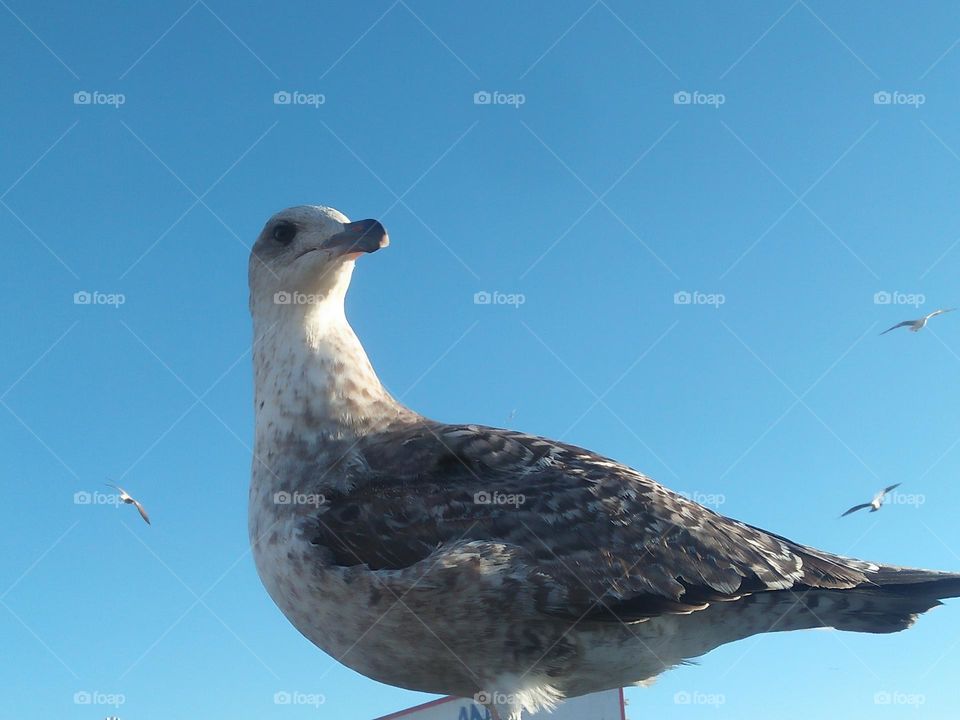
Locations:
(608, 540)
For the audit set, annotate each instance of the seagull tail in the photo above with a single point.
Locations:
(890, 601)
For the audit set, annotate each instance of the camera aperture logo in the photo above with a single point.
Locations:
(884, 297)
(282, 497)
(487, 697)
(86, 297)
(95, 97)
(484, 297)
(295, 697)
(896, 697)
(295, 298)
(695, 297)
(895, 97)
(486, 97)
(85, 497)
(96, 697)
(695, 697)
(296, 97)
(485, 497)
(695, 97)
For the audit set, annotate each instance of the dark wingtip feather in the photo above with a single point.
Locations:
(917, 583)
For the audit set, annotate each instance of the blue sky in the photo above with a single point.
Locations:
(782, 198)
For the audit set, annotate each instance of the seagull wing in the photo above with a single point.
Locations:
(128, 498)
(855, 508)
(888, 489)
(905, 323)
(940, 311)
(124, 495)
(587, 536)
(143, 513)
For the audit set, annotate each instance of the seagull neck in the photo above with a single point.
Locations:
(313, 373)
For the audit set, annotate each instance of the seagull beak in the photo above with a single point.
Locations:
(362, 236)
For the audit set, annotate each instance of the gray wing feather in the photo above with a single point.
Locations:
(143, 513)
(855, 508)
(898, 325)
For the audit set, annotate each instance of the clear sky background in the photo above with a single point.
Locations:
(794, 201)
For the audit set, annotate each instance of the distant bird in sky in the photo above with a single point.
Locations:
(874, 504)
(920, 323)
(125, 497)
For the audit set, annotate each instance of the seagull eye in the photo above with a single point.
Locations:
(284, 233)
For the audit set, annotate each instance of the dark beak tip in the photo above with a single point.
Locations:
(374, 235)
(364, 236)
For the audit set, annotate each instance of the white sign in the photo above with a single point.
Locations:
(607, 705)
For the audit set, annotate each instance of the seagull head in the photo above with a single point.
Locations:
(305, 254)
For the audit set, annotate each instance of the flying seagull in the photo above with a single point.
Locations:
(465, 560)
(920, 323)
(874, 504)
(125, 497)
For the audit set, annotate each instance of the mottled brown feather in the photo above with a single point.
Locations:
(604, 539)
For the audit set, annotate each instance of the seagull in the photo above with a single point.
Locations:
(874, 504)
(125, 497)
(465, 560)
(920, 323)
